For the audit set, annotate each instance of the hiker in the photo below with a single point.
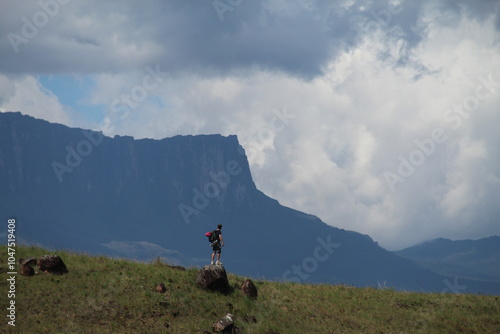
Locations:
(217, 245)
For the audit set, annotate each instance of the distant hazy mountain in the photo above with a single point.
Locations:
(77, 189)
(466, 259)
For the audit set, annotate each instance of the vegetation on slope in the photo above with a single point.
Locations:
(105, 295)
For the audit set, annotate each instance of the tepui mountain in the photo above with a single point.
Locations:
(77, 189)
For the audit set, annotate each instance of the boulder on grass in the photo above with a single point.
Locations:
(26, 268)
(213, 278)
(224, 323)
(52, 264)
(249, 289)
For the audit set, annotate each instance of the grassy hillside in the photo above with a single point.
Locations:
(104, 295)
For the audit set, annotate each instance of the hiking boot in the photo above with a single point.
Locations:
(212, 263)
(218, 263)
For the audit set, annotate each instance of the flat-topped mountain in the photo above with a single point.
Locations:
(78, 189)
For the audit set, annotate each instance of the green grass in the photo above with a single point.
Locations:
(105, 295)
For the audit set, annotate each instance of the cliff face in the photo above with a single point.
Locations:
(77, 189)
(92, 189)
(187, 174)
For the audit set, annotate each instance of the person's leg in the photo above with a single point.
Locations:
(218, 256)
(213, 257)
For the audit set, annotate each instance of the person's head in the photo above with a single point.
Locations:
(219, 226)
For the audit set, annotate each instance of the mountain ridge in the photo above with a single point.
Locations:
(148, 198)
(477, 259)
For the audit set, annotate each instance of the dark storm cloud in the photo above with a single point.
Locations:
(200, 36)
(180, 35)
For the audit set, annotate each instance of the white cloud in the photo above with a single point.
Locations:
(466, 178)
(25, 94)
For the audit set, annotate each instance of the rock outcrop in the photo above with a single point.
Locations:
(213, 278)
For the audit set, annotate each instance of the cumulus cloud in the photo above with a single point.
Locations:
(328, 98)
(25, 94)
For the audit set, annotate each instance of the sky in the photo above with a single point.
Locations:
(376, 116)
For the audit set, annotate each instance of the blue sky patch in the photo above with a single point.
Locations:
(72, 92)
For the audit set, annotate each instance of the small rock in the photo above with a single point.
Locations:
(52, 264)
(26, 268)
(249, 289)
(161, 288)
(223, 323)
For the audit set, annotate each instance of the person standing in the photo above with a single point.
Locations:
(217, 245)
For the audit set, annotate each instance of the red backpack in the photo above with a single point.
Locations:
(212, 236)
